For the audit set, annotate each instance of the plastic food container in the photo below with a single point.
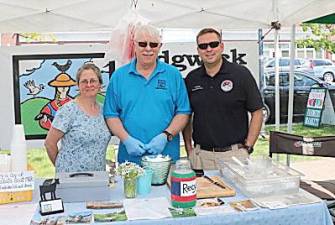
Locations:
(257, 177)
(160, 166)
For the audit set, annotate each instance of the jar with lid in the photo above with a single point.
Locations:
(183, 185)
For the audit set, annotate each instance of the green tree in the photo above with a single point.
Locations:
(323, 37)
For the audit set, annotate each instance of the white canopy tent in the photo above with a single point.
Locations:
(84, 15)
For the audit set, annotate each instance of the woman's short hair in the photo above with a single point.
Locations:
(147, 30)
(209, 30)
(89, 66)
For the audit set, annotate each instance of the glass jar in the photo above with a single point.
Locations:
(183, 165)
(129, 187)
(183, 185)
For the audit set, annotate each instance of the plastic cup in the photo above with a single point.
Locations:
(18, 135)
(5, 163)
(144, 182)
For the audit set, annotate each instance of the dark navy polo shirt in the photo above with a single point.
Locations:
(220, 104)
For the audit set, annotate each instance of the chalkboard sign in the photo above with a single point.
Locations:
(315, 104)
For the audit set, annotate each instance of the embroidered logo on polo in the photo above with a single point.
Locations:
(161, 84)
(227, 85)
(197, 88)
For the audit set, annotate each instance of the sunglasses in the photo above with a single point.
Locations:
(144, 44)
(212, 44)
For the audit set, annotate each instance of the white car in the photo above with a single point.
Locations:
(323, 69)
(284, 64)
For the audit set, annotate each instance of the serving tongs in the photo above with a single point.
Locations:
(214, 182)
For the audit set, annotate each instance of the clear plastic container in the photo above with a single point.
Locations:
(261, 176)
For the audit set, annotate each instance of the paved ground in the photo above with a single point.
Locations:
(317, 170)
(323, 169)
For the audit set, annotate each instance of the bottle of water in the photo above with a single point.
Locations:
(183, 185)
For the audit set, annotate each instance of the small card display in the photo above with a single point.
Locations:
(51, 206)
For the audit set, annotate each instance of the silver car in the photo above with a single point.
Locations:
(284, 64)
(323, 69)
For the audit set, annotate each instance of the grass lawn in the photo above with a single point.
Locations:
(39, 162)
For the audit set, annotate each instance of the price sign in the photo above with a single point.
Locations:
(315, 104)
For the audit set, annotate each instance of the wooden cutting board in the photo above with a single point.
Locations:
(206, 189)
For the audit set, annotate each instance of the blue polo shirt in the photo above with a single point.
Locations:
(146, 107)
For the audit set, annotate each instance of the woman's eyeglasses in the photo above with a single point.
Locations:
(144, 44)
(91, 81)
(212, 44)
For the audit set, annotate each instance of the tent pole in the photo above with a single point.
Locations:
(277, 90)
(291, 88)
(261, 72)
(276, 39)
(277, 93)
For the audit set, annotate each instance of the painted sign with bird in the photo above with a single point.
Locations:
(44, 83)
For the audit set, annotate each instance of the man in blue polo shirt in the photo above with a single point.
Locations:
(146, 104)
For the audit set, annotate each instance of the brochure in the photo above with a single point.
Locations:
(110, 217)
(245, 205)
(50, 220)
(180, 212)
(79, 217)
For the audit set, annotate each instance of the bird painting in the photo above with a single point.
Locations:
(63, 68)
(33, 89)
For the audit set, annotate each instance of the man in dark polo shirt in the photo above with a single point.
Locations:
(221, 95)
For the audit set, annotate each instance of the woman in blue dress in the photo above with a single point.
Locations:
(80, 127)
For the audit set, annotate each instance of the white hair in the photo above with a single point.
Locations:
(147, 30)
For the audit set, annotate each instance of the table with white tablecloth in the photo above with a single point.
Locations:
(305, 214)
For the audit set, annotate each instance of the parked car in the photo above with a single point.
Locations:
(323, 69)
(284, 64)
(303, 81)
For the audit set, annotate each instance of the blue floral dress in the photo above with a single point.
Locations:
(83, 146)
